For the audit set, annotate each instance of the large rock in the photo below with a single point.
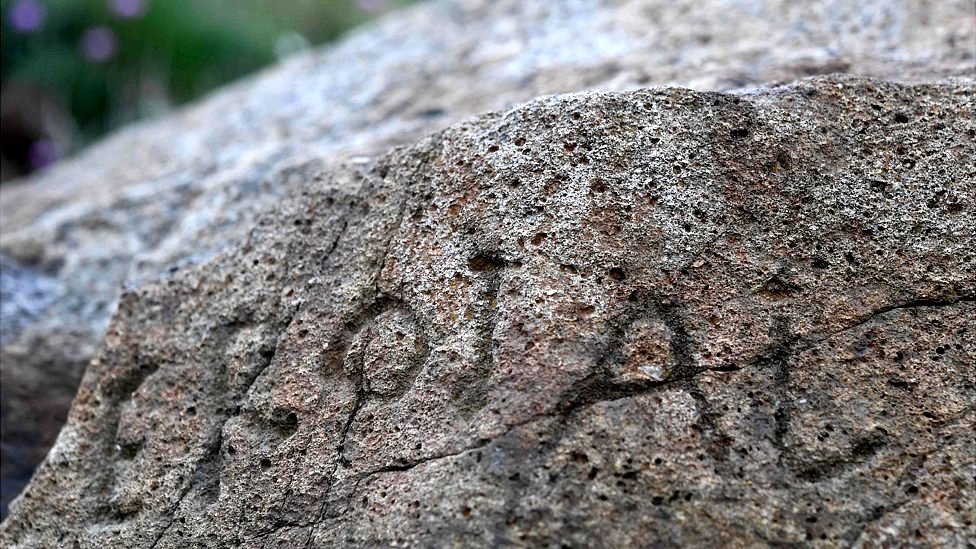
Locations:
(161, 196)
(652, 317)
(712, 290)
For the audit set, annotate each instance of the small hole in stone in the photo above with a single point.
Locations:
(901, 118)
(878, 186)
(739, 133)
(265, 463)
(617, 273)
(485, 262)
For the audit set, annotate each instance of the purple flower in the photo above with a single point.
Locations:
(27, 15)
(42, 152)
(127, 9)
(373, 6)
(99, 44)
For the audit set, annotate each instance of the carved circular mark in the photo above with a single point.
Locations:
(647, 344)
(393, 354)
(646, 352)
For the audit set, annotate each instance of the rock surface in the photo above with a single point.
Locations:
(161, 196)
(651, 317)
(704, 265)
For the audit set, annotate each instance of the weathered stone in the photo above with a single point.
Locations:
(649, 317)
(163, 195)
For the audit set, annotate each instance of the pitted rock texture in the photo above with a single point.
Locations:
(653, 317)
(164, 195)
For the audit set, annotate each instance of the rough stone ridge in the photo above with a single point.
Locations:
(652, 317)
(164, 195)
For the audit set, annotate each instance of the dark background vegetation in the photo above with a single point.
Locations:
(73, 70)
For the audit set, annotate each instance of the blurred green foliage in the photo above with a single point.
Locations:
(164, 53)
